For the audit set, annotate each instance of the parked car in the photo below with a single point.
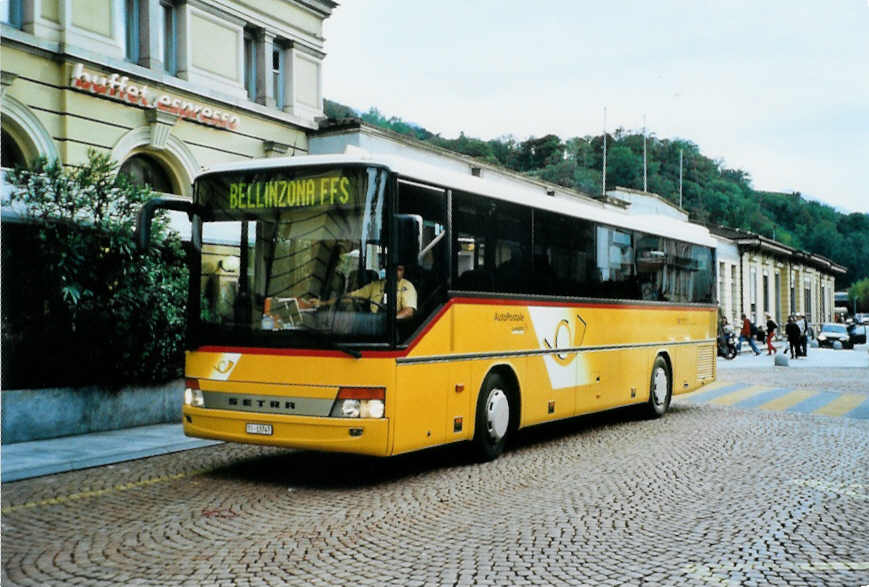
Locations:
(830, 333)
(861, 318)
(857, 334)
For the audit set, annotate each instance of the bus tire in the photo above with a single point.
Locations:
(493, 418)
(660, 389)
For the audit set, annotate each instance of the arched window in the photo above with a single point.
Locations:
(146, 170)
(11, 153)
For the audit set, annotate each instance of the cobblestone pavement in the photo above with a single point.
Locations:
(706, 495)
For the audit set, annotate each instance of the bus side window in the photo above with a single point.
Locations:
(473, 259)
(563, 255)
(513, 249)
(615, 263)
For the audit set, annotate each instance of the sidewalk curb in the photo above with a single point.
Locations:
(24, 460)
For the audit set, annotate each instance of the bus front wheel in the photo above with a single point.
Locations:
(493, 418)
(660, 389)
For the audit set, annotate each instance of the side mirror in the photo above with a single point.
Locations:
(146, 215)
(408, 238)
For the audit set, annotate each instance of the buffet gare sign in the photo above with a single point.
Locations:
(120, 88)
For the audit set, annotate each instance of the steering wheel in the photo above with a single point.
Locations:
(358, 304)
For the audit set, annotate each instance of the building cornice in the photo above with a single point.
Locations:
(321, 7)
(282, 29)
(749, 241)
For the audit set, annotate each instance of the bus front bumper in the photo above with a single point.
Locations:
(350, 435)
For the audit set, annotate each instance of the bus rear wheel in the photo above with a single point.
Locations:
(493, 418)
(660, 389)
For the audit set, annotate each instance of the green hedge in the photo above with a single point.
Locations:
(80, 305)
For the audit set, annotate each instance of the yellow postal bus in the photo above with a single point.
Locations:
(494, 310)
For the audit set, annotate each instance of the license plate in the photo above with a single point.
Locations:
(264, 429)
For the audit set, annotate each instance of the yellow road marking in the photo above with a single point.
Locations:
(737, 396)
(841, 405)
(788, 400)
(98, 492)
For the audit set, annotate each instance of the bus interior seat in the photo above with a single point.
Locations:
(476, 280)
(545, 282)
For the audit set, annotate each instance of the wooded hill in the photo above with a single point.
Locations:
(710, 191)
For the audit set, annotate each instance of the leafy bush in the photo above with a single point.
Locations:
(859, 292)
(80, 304)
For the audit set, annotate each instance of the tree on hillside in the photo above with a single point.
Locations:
(580, 150)
(563, 173)
(506, 151)
(466, 146)
(536, 153)
(338, 111)
(624, 168)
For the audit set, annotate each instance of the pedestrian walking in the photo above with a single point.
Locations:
(771, 327)
(745, 334)
(803, 325)
(792, 331)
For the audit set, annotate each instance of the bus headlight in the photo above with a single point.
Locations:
(193, 395)
(350, 408)
(374, 408)
(359, 402)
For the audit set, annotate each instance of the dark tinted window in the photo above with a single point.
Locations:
(571, 257)
(512, 248)
(564, 261)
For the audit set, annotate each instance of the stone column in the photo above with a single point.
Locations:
(149, 35)
(183, 50)
(265, 94)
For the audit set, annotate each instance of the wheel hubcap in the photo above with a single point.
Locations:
(497, 414)
(659, 389)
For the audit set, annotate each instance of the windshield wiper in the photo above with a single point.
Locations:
(328, 342)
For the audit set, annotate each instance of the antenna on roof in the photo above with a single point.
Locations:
(680, 178)
(603, 179)
(645, 183)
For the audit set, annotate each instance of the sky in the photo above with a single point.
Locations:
(777, 88)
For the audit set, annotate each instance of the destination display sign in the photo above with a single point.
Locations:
(323, 191)
(335, 188)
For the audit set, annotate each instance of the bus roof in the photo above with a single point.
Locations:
(530, 195)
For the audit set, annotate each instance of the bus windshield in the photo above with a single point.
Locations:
(285, 253)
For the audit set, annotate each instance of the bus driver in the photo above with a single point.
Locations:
(375, 292)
